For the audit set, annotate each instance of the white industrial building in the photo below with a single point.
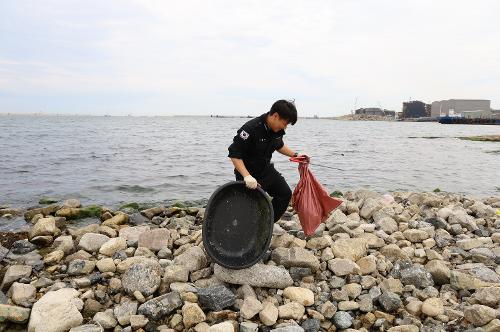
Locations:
(457, 107)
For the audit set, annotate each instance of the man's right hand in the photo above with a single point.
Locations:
(250, 182)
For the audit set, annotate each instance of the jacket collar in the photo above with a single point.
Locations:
(263, 118)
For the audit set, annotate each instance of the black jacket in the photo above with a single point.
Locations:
(255, 143)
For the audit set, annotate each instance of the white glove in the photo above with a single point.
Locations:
(250, 182)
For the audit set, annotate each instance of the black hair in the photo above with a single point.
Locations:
(285, 109)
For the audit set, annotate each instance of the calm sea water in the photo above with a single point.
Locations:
(111, 160)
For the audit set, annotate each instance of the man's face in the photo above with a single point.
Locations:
(277, 123)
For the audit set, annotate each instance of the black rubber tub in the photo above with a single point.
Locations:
(238, 225)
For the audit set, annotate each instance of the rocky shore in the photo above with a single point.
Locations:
(399, 262)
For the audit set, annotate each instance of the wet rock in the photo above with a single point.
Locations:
(22, 247)
(44, 226)
(215, 298)
(14, 273)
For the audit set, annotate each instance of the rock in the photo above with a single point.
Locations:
(118, 219)
(415, 235)
(159, 307)
(132, 234)
(289, 328)
(479, 315)
(86, 328)
(105, 319)
(493, 326)
(54, 257)
(193, 258)
(348, 305)
(248, 327)
(106, 265)
(417, 276)
(389, 301)
(370, 206)
(144, 277)
(14, 273)
(44, 226)
(112, 246)
(152, 212)
(311, 325)
(92, 242)
(80, 267)
(64, 243)
(56, 311)
(489, 296)
(300, 295)
(269, 314)
(297, 257)
(342, 267)
(176, 273)
(388, 225)
(124, 311)
(461, 280)
(71, 203)
(222, 327)
(216, 298)
(439, 271)
(404, 328)
(367, 265)
(342, 320)
(154, 239)
(469, 244)
(251, 307)
(485, 274)
(22, 294)
(352, 249)
(319, 243)
(21, 247)
(258, 275)
(393, 252)
(68, 213)
(291, 310)
(433, 307)
(14, 314)
(138, 321)
(192, 315)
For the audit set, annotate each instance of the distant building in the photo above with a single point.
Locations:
(457, 107)
(415, 109)
(375, 111)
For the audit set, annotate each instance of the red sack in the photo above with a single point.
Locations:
(310, 199)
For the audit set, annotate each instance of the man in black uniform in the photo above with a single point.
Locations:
(252, 149)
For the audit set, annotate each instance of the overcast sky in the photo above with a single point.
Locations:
(238, 57)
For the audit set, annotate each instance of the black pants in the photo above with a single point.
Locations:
(275, 185)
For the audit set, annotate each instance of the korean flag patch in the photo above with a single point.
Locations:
(244, 135)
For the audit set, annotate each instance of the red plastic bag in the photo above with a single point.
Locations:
(310, 199)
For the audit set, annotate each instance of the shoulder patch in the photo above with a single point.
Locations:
(244, 135)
